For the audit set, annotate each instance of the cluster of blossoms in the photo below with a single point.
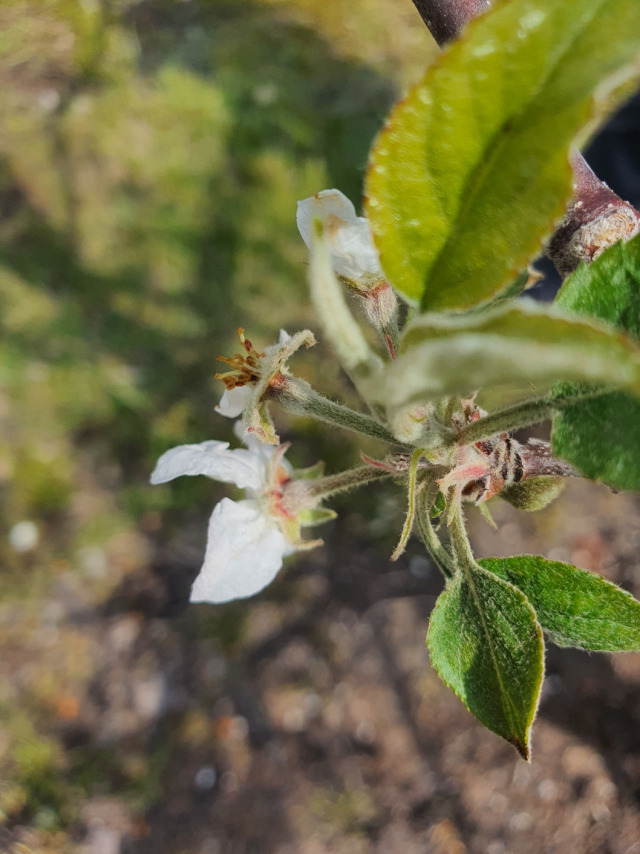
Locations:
(456, 227)
(248, 539)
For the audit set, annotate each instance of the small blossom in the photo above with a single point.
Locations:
(255, 376)
(354, 257)
(247, 540)
(353, 254)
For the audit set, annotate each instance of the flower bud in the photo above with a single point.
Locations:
(533, 494)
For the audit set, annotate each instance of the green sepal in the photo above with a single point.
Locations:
(486, 515)
(533, 494)
(486, 645)
(439, 506)
(311, 472)
(316, 516)
(259, 422)
(574, 607)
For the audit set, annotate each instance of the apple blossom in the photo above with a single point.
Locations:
(247, 540)
(354, 257)
(353, 254)
(254, 377)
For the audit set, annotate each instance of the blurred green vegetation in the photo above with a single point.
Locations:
(151, 156)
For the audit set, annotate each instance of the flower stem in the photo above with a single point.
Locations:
(411, 509)
(332, 484)
(297, 397)
(520, 415)
(434, 547)
(460, 540)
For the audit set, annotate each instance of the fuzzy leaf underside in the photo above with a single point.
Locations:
(518, 351)
(486, 645)
(575, 607)
(601, 437)
(471, 171)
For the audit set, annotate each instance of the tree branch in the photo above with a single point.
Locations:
(446, 18)
(597, 217)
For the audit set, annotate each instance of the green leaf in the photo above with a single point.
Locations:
(601, 437)
(575, 607)
(608, 288)
(509, 349)
(513, 290)
(471, 170)
(486, 644)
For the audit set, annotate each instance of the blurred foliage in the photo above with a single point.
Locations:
(151, 155)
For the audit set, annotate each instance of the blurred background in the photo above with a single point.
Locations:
(151, 157)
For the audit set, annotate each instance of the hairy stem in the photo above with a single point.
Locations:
(434, 547)
(332, 484)
(297, 396)
(411, 508)
(520, 415)
(460, 540)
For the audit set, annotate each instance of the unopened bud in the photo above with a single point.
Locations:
(533, 494)
(380, 305)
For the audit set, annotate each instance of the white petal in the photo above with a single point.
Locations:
(283, 338)
(322, 206)
(260, 449)
(244, 552)
(352, 250)
(353, 253)
(244, 468)
(234, 401)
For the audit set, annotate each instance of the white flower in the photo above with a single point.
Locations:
(255, 378)
(235, 401)
(246, 540)
(353, 253)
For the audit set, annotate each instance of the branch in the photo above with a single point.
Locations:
(446, 18)
(597, 217)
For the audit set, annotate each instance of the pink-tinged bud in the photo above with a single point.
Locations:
(380, 305)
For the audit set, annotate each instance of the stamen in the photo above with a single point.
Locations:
(245, 369)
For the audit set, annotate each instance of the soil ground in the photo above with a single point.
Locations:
(325, 729)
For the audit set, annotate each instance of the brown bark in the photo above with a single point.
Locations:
(597, 218)
(445, 19)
